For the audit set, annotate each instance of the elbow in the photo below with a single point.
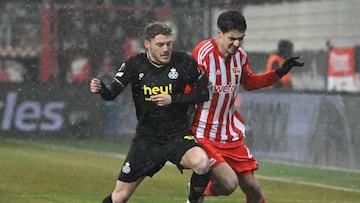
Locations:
(248, 88)
(108, 97)
(205, 96)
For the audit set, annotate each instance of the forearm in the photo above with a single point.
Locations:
(112, 93)
(197, 95)
(257, 81)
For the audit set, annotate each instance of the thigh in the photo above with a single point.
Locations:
(196, 159)
(240, 159)
(144, 158)
(236, 154)
(224, 175)
(180, 145)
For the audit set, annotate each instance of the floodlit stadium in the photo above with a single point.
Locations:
(60, 143)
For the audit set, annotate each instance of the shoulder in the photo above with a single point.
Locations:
(205, 43)
(138, 58)
(132, 63)
(183, 61)
(203, 48)
(178, 56)
(243, 55)
(242, 52)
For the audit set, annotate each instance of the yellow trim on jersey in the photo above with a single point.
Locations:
(189, 137)
(153, 62)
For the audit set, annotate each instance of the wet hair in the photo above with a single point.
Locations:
(156, 28)
(231, 20)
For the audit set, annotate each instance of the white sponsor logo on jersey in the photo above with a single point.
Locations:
(212, 161)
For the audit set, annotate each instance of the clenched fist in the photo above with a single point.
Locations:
(95, 85)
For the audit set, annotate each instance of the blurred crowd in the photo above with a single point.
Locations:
(169, 3)
(83, 36)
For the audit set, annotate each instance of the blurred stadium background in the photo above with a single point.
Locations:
(49, 49)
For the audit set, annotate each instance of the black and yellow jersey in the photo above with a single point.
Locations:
(148, 78)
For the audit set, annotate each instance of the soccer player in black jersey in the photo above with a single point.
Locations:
(158, 79)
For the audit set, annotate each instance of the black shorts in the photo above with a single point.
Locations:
(147, 156)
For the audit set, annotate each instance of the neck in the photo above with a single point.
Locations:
(222, 49)
(153, 62)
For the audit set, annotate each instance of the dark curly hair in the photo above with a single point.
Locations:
(231, 20)
(156, 28)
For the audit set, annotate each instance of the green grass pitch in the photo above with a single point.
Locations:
(78, 171)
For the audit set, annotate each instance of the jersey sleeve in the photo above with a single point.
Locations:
(252, 81)
(120, 81)
(196, 85)
(195, 54)
(201, 67)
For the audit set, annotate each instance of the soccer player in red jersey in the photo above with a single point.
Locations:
(217, 125)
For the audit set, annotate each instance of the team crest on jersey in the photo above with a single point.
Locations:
(126, 168)
(173, 74)
(236, 71)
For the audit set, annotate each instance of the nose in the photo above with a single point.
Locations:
(167, 47)
(237, 43)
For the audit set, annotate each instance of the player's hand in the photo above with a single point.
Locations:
(288, 65)
(291, 62)
(161, 99)
(95, 85)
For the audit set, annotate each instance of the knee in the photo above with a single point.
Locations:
(201, 165)
(197, 160)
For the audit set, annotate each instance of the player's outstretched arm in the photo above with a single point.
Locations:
(95, 85)
(288, 65)
(98, 87)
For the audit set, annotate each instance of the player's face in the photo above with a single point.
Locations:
(229, 42)
(160, 48)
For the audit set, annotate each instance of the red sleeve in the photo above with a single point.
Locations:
(252, 81)
(195, 54)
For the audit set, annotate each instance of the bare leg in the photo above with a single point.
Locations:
(250, 186)
(123, 191)
(223, 180)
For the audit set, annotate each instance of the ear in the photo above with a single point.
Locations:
(219, 33)
(146, 44)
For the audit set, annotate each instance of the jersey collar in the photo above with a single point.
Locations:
(157, 65)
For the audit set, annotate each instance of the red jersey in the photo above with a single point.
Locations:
(218, 119)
